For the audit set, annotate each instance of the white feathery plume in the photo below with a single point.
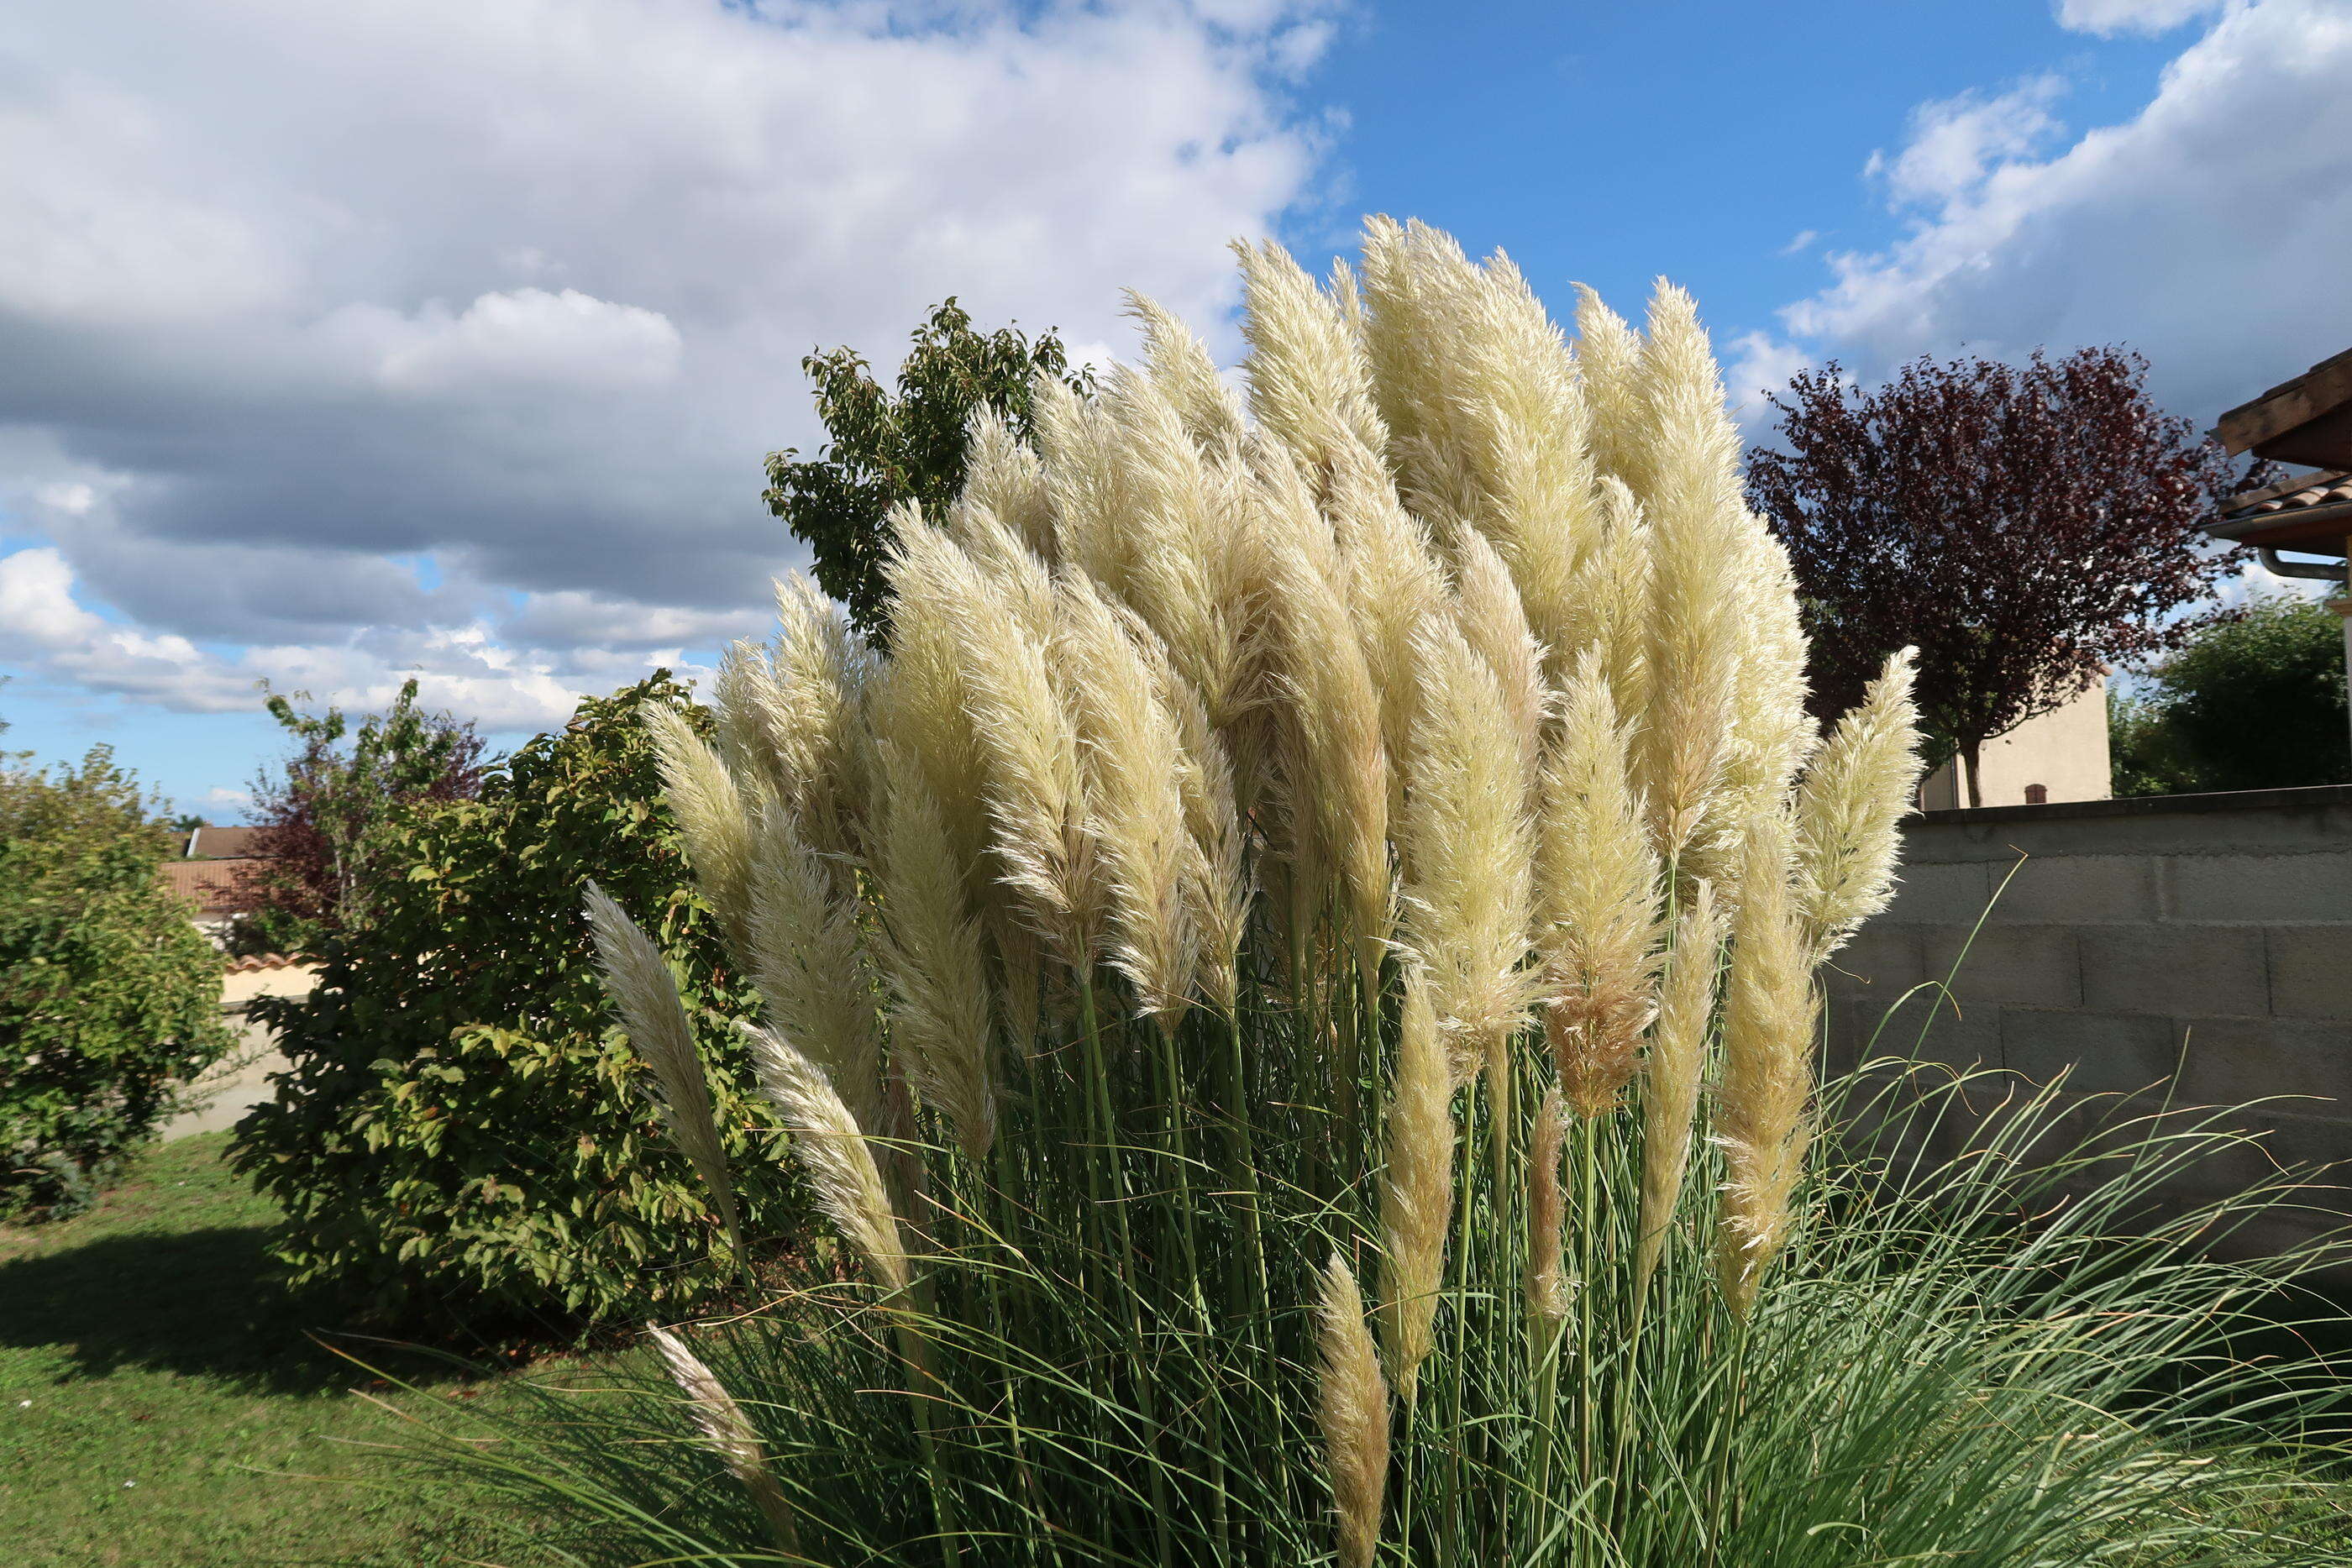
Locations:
(1417, 1188)
(728, 1432)
(1608, 359)
(1134, 763)
(1598, 912)
(1308, 385)
(1771, 732)
(1677, 1064)
(832, 1148)
(1078, 440)
(805, 956)
(933, 958)
(1216, 890)
(714, 814)
(1352, 1405)
(1696, 526)
(1180, 557)
(1178, 364)
(1468, 848)
(1494, 621)
(1335, 706)
(1030, 773)
(1613, 597)
(1762, 1108)
(1002, 476)
(645, 994)
(1858, 788)
(919, 698)
(1395, 579)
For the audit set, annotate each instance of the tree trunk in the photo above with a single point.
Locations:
(1970, 749)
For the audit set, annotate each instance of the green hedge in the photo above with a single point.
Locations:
(109, 997)
(462, 1136)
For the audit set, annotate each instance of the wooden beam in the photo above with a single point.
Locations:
(2322, 390)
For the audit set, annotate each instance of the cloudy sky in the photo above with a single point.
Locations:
(446, 335)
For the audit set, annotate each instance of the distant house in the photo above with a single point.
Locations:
(213, 870)
(2060, 756)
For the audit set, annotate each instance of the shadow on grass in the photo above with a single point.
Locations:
(207, 1302)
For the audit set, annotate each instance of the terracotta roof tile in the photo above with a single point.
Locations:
(211, 884)
(2299, 494)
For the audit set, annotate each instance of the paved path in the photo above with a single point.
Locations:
(241, 1080)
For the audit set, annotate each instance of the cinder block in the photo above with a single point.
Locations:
(2315, 1149)
(2100, 1053)
(2264, 888)
(2311, 971)
(1929, 1027)
(2284, 1230)
(1942, 893)
(2193, 971)
(1876, 968)
(2079, 890)
(2226, 1062)
(2021, 966)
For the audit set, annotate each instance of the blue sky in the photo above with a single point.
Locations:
(433, 336)
(1609, 143)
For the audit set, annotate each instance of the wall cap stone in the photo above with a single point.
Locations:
(2315, 795)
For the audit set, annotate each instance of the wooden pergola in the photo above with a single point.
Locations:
(2309, 420)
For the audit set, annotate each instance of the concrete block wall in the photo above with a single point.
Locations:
(2196, 944)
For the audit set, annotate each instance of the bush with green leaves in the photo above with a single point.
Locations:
(460, 1134)
(110, 996)
(323, 809)
(2256, 701)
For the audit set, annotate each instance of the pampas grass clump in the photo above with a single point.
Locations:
(1293, 981)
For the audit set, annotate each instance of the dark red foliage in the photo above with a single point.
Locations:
(2025, 528)
(320, 812)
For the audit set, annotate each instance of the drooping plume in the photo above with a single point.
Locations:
(645, 994)
(728, 1432)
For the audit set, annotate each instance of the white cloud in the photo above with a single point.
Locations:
(221, 798)
(1760, 366)
(2208, 231)
(296, 296)
(473, 670)
(37, 603)
(1957, 142)
(520, 338)
(2108, 18)
(1801, 243)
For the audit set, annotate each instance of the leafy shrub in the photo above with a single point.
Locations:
(324, 810)
(110, 996)
(460, 1133)
(2256, 701)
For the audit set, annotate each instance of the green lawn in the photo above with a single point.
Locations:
(161, 1406)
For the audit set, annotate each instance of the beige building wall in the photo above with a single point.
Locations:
(2065, 751)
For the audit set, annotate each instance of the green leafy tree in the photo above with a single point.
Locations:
(109, 997)
(326, 809)
(462, 1135)
(888, 447)
(2255, 701)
